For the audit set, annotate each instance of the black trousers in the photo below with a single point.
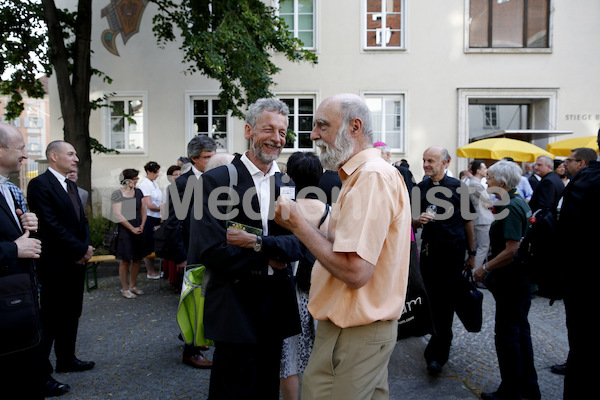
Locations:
(514, 349)
(61, 299)
(23, 374)
(441, 267)
(580, 302)
(245, 371)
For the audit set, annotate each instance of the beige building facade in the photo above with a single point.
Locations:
(433, 73)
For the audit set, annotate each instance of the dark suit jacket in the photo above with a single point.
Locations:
(533, 181)
(65, 238)
(178, 230)
(243, 303)
(10, 231)
(547, 192)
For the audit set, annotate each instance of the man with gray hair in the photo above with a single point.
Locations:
(200, 151)
(550, 187)
(250, 300)
(359, 280)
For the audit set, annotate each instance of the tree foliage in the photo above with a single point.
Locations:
(227, 40)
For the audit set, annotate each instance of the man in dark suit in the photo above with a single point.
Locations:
(17, 252)
(65, 235)
(200, 150)
(250, 301)
(550, 187)
(578, 222)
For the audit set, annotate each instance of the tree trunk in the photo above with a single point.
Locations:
(73, 84)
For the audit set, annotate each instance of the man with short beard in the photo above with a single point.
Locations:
(359, 280)
(250, 300)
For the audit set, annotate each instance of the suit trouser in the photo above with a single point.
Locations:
(441, 267)
(583, 347)
(350, 363)
(245, 371)
(61, 299)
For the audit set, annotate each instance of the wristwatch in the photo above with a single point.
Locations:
(258, 246)
(471, 252)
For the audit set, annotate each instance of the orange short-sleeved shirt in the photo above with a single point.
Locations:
(371, 218)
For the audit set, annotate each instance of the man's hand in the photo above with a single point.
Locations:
(240, 238)
(276, 264)
(181, 265)
(28, 247)
(88, 254)
(479, 274)
(425, 218)
(136, 230)
(29, 221)
(288, 214)
(470, 263)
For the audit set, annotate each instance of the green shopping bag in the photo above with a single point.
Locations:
(190, 312)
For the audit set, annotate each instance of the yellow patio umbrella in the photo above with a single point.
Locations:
(564, 147)
(498, 148)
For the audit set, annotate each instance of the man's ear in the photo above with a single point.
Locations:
(355, 126)
(247, 131)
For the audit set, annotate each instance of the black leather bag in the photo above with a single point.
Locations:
(111, 238)
(469, 305)
(161, 242)
(20, 327)
(416, 317)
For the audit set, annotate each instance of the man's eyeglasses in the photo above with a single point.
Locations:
(571, 159)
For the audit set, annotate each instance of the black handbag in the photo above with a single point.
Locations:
(110, 239)
(469, 305)
(416, 317)
(20, 327)
(161, 242)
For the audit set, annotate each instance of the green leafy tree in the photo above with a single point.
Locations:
(230, 41)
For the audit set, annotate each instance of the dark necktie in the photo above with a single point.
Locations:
(73, 195)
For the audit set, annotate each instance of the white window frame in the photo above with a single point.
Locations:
(124, 96)
(297, 96)
(403, 28)
(403, 97)
(535, 50)
(190, 96)
(294, 31)
(466, 95)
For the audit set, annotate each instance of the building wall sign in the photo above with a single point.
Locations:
(124, 17)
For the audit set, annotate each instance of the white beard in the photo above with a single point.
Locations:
(334, 157)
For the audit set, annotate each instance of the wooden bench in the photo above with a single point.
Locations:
(92, 267)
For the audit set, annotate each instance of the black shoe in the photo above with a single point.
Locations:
(75, 366)
(54, 388)
(559, 369)
(434, 368)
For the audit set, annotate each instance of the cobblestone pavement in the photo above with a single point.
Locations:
(137, 353)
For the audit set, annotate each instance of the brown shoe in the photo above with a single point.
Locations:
(197, 361)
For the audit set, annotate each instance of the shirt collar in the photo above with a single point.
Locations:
(61, 178)
(356, 161)
(253, 169)
(196, 172)
(3, 180)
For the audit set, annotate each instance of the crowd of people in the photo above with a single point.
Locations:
(307, 270)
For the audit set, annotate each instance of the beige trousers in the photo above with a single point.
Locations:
(350, 363)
